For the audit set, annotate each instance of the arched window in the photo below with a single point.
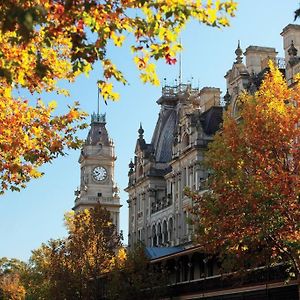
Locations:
(154, 237)
(148, 236)
(159, 234)
(170, 229)
(185, 140)
(140, 171)
(165, 232)
(185, 223)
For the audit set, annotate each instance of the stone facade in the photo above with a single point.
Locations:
(172, 161)
(187, 121)
(97, 164)
(249, 74)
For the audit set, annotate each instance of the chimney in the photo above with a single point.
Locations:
(257, 58)
(209, 96)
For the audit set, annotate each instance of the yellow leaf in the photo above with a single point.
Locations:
(52, 104)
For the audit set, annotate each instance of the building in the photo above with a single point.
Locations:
(188, 119)
(247, 74)
(97, 166)
(161, 169)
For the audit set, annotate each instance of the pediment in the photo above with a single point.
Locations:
(237, 70)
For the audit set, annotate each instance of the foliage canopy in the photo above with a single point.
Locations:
(135, 278)
(251, 213)
(67, 268)
(45, 41)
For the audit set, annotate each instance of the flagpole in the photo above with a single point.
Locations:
(98, 103)
(180, 64)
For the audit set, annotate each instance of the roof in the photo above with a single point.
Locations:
(98, 133)
(259, 49)
(174, 255)
(211, 119)
(163, 136)
(157, 252)
(290, 26)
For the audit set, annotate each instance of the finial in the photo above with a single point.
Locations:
(292, 51)
(239, 54)
(141, 131)
(131, 164)
(227, 99)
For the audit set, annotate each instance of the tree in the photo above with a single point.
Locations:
(36, 280)
(45, 41)
(11, 271)
(134, 278)
(250, 214)
(92, 246)
(70, 267)
(66, 268)
(296, 14)
(31, 136)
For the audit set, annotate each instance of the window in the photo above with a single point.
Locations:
(141, 171)
(159, 234)
(154, 237)
(165, 232)
(170, 229)
(185, 141)
(185, 224)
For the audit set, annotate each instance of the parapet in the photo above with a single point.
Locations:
(209, 96)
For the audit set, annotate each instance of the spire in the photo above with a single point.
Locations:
(239, 54)
(141, 132)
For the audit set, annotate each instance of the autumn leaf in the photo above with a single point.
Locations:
(43, 42)
(251, 211)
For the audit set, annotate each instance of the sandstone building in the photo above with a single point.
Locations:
(186, 123)
(97, 166)
(173, 159)
(161, 169)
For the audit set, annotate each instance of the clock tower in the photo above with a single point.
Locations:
(97, 162)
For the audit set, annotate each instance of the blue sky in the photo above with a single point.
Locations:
(35, 215)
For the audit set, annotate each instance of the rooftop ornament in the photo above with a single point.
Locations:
(131, 164)
(178, 90)
(141, 132)
(239, 54)
(227, 99)
(98, 118)
(292, 51)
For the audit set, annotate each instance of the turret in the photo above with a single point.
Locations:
(97, 162)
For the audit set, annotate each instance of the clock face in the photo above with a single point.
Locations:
(99, 173)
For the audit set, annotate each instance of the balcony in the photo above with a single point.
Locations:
(179, 90)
